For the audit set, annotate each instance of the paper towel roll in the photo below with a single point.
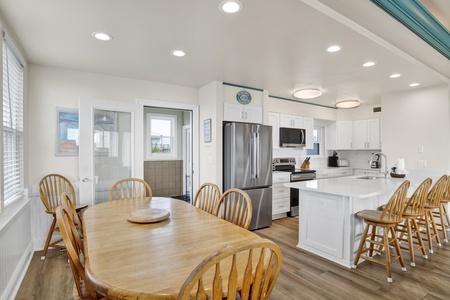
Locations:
(400, 164)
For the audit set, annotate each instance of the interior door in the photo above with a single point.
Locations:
(187, 161)
(111, 146)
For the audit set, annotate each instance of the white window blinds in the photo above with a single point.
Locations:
(13, 173)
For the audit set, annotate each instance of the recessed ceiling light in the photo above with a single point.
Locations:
(396, 75)
(178, 53)
(230, 6)
(414, 84)
(348, 104)
(334, 48)
(102, 36)
(369, 64)
(308, 93)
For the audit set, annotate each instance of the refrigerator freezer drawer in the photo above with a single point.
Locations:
(262, 207)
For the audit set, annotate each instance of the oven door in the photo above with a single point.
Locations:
(294, 192)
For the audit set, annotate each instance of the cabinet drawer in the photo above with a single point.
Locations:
(281, 178)
(281, 191)
(280, 206)
(345, 173)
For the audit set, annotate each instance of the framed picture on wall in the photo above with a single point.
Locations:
(67, 132)
(207, 131)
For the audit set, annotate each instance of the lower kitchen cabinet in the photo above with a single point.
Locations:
(281, 195)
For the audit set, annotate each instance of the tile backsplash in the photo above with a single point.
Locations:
(164, 177)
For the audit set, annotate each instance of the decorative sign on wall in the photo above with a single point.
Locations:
(207, 131)
(67, 132)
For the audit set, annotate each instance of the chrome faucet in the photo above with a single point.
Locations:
(386, 172)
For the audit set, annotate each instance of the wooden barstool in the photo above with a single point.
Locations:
(386, 220)
(441, 214)
(409, 230)
(427, 220)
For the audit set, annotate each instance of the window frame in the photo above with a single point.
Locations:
(321, 142)
(174, 138)
(9, 52)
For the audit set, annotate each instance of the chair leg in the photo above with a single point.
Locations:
(361, 246)
(419, 238)
(433, 225)
(410, 242)
(441, 216)
(397, 248)
(387, 253)
(444, 206)
(49, 238)
(428, 232)
(372, 239)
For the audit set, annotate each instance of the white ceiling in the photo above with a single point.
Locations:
(277, 45)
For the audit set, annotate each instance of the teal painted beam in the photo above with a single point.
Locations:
(419, 20)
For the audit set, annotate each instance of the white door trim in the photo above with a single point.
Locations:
(194, 131)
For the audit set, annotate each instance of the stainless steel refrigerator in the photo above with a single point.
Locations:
(247, 165)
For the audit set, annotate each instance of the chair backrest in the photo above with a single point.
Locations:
(69, 234)
(50, 189)
(70, 208)
(415, 204)
(207, 197)
(130, 188)
(437, 192)
(254, 281)
(447, 189)
(235, 206)
(394, 208)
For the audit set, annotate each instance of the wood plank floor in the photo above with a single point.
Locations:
(303, 275)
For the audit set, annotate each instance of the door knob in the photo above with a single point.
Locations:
(84, 179)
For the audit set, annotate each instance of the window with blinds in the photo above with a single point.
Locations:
(13, 173)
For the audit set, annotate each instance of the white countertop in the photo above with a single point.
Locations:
(351, 186)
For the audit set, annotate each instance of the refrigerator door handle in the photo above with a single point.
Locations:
(253, 155)
(257, 155)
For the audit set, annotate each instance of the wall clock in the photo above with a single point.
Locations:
(243, 97)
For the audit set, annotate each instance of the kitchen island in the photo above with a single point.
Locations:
(327, 221)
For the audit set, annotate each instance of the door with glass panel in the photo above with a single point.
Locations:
(111, 146)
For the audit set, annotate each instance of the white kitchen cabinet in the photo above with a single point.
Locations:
(308, 125)
(291, 121)
(344, 136)
(281, 195)
(366, 134)
(274, 121)
(332, 173)
(242, 113)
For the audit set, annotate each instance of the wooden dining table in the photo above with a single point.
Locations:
(127, 260)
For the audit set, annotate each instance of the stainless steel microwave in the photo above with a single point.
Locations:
(292, 137)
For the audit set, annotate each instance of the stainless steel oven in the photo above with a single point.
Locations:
(287, 164)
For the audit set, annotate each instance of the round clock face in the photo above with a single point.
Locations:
(244, 97)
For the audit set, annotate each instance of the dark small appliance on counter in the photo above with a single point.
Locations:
(376, 163)
(333, 160)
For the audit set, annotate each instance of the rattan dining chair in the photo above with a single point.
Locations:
(130, 188)
(386, 221)
(70, 236)
(235, 206)
(207, 197)
(225, 279)
(51, 187)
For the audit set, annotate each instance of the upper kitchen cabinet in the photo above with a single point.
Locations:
(366, 134)
(291, 121)
(274, 121)
(308, 125)
(242, 113)
(344, 131)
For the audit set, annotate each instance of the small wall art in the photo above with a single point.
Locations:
(67, 132)
(207, 131)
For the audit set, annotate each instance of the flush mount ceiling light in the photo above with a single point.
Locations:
(102, 36)
(230, 7)
(334, 48)
(179, 53)
(414, 84)
(368, 64)
(348, 104)
(396, 75)
(308, 93)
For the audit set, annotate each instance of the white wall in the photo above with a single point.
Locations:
(417, 118)
(52, 87)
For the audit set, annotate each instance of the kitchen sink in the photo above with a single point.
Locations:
(369, 177)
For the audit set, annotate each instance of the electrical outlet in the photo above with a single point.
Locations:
(422, 163)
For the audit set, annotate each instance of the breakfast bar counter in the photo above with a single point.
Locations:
(327, 208)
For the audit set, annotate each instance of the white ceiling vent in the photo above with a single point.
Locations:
(376, 109)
